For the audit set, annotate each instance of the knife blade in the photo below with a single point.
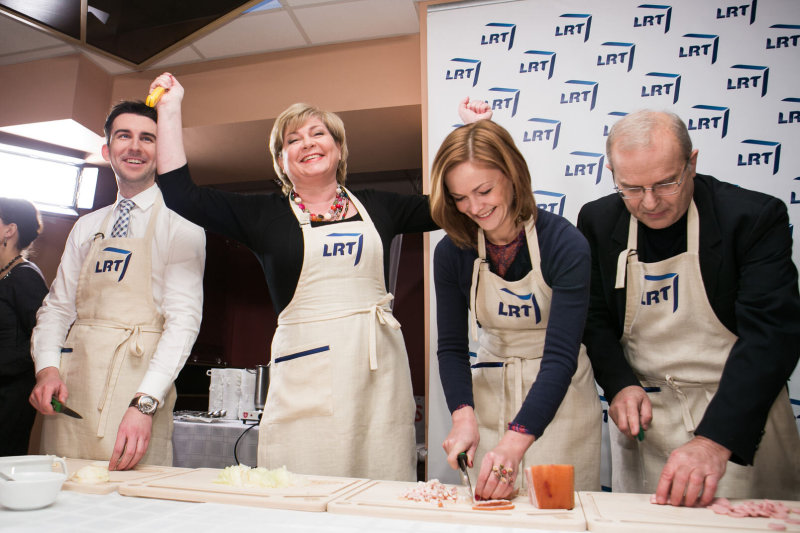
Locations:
(59, 407)
(462, 465)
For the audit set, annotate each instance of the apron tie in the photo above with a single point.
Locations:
(386, 318)
(512, 363)
(131, 344)
(688, 422)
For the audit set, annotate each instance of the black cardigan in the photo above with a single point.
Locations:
(751, 284)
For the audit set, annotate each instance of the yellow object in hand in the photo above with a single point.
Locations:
(154, 97)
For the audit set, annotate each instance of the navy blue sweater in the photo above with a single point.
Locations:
(566, 268)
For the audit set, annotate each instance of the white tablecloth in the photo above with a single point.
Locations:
(75, 512)
(210, 445)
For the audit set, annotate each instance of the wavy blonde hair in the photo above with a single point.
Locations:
(293, 117)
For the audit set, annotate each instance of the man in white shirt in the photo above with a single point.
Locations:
(122, 314)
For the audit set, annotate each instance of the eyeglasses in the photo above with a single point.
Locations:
(659, 189)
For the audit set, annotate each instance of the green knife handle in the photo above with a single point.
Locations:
(57, 406)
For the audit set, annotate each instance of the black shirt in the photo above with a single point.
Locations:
(266, 224)
(22, 290)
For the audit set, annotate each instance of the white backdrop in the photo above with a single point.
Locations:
(559, 73)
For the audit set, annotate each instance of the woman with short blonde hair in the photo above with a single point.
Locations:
(340, 401)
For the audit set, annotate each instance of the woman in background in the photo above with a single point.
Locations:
(22, 289)
(524, 273)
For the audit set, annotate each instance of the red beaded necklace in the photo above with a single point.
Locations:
(337, 210)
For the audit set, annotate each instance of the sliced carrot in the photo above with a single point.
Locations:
(493, 505)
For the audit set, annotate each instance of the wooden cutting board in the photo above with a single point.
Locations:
(197, 485)
(612, 512)
(384, 499)
(116, 478)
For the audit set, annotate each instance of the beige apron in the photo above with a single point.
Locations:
(108, 350)
(678, 347)
(340, 401)
(514, 317)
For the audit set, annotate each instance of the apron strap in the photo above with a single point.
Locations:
(627, 253)
(473, 316)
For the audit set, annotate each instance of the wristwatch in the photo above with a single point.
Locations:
(145, 404)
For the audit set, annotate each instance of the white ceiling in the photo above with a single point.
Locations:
(290, 24)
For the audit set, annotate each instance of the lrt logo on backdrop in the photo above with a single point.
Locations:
(580, 91)
(738, 11)
(520, 311)
(548, 132)
(615, 115)
(575, 28)
(618, 58)
(114, 265)
(554, 201)
(754, 81)
(501, 37)
(784, 41)
(580, 167)
(661, 295)
(539, 65)
(770, 156)
(504, 99)
(795, 199)
(661, 19)
(792, 116)
(702, 48)
(709, 117)
(351, 246)
(671, 86)
(465, 69)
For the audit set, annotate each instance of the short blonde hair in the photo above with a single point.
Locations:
(489, 144)
(293, 117)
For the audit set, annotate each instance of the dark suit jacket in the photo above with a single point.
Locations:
(751, 283)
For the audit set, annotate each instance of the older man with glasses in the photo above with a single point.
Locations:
(694, 323)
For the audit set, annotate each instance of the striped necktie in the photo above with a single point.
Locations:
(120, 228)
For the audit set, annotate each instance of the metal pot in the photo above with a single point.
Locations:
(262, 385)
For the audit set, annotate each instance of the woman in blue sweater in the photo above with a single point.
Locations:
(524, 273)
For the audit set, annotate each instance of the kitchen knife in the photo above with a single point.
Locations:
(462, 465)
(59, 407)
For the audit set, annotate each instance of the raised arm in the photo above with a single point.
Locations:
(473, 111)
(170, 153)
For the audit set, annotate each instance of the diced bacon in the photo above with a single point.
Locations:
(776, 526)
(431, 491)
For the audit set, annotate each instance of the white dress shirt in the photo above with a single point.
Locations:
(177, 284)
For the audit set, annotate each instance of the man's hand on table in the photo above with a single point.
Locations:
(133, 438)
(696, 466)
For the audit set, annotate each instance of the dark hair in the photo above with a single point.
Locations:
(25, 215)
(135, 107)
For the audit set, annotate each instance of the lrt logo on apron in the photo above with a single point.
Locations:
(520, 311)
(352, 246)
(114, 265)
(662, 294)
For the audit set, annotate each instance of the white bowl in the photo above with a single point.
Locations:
(31, 490)
(32, 463)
